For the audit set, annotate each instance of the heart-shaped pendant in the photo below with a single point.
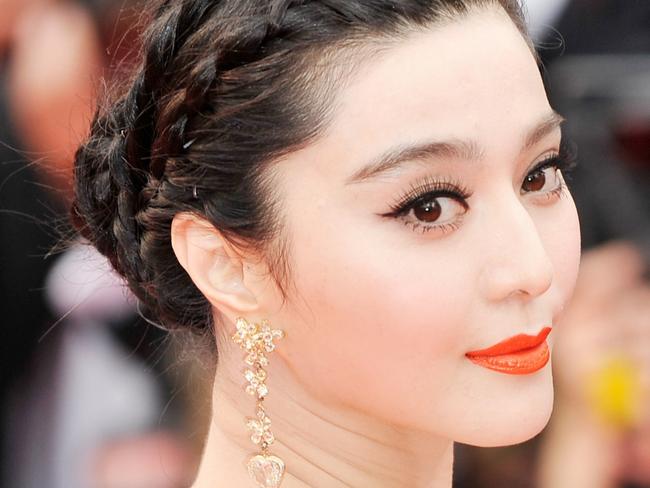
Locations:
(266, 470)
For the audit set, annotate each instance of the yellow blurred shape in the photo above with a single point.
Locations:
(614, 392)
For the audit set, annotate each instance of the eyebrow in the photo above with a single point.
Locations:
(454, 149)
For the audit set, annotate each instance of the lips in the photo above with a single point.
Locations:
(520, 354)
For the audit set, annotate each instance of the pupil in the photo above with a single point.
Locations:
(536, 181)
(429, 212)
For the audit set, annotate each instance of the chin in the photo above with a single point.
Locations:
(512, 421)
(516, 433)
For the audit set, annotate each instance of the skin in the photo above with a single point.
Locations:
(370, 386)
(56, 56)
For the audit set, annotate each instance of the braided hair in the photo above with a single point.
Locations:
(222, 89)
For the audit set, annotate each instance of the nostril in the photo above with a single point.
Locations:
(518, 292)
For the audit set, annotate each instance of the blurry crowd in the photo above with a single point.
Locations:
(92, 396)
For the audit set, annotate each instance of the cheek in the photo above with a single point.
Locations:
(381, 327)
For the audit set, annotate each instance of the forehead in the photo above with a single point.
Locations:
(471, 78)
(461, 72)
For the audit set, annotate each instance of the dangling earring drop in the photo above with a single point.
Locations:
(257, 340)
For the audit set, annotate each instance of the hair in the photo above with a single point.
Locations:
(221, 91)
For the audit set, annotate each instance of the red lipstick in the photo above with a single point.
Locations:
(520, 354)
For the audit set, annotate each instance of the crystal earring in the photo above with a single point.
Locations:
(257, 340)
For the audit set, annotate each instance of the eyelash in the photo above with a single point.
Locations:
(428, 189)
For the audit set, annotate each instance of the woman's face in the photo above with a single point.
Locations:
(390, 303)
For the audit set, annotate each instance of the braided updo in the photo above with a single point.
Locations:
(223, 88)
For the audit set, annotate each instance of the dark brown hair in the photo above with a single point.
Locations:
(222, 90)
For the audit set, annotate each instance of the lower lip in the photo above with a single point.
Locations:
(521, 362)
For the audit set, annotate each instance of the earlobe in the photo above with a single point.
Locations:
(212, 264)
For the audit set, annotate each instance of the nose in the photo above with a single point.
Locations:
(516, 262)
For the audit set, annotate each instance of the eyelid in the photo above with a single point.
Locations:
(547, 158)
(426, 186)
(430, 187)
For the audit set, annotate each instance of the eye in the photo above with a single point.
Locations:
(432, 205)
(542, 180)
(444, 212)
(545, 178)
(545, 183)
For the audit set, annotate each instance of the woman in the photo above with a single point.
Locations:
(361, 205)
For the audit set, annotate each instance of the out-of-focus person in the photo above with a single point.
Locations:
(82, 391)
(600, 433)
(55, 57)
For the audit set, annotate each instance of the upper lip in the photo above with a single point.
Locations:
(519, 342)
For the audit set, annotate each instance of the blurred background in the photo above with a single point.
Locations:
(92, 396)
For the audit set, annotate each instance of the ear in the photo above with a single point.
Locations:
(212, 263)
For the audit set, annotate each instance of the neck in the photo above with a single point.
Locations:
(321, 445)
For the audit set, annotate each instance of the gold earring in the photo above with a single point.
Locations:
(257, 340)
